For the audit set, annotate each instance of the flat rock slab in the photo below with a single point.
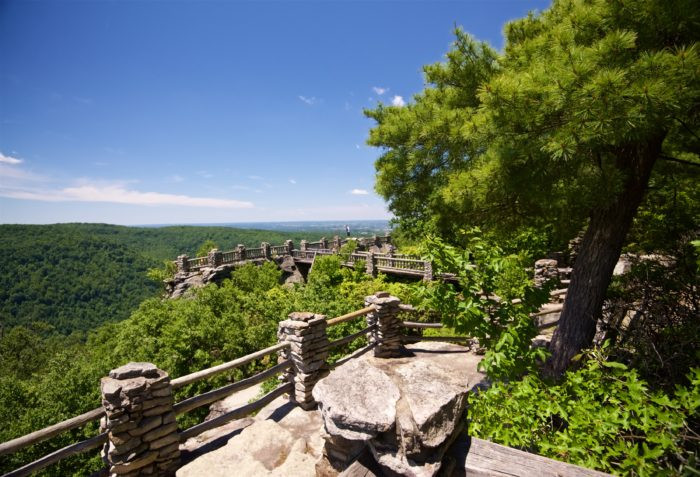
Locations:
(282, 440)
(408, 409)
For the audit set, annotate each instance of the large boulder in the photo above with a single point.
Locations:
(407, 410)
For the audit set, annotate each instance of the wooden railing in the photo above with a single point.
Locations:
(209, 397)
(395, 263)
(253, 253)
(230, 256)
(181, 407)
(304, 254)
(278, 250)
(198, 262)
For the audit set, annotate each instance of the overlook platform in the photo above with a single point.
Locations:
(284, 440)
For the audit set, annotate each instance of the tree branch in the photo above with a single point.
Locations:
(679, 161)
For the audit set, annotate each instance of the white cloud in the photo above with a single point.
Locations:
(312, 100)
(117, 193)
(379, 90)
(398, 101)
(256, 178)
(359, 192)
(9, 159)
(175, 178)
(292, 181)
(19, 174)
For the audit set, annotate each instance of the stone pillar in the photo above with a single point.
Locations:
(428, 271)
(215, 257)
(143, 437)
(267, 252)
(240, 248)
(324, 243)
(387, 335)
(370, 265)
(390, 249)
(545, 269)
(304, 245)
(306, 332)
(183, 264)
(290, 246)
(337, 243)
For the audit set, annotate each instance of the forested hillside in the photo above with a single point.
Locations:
(74, 277)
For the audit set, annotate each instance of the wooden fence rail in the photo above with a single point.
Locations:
(68, 451)
(205, 373)
(51, 431)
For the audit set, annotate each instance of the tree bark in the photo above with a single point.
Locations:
(600, 250)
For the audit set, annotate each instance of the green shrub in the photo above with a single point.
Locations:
(602, 416)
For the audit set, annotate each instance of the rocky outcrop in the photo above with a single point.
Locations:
(408, 410)
(290, 272)
(183, 281)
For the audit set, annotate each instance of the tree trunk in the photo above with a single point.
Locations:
(600, 250)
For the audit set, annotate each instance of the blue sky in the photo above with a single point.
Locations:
(200, 112)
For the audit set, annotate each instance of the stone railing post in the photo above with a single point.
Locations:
(337, 243)
(387, 334)
(371, 264)
(428, 271)
(306, 332)
(304, 245)
(545, 269)
(324, 243)
(290, 246)
(143, 437)
(215, 257)
(390, 249)
(267, 252)
(240, 248)
(183, 263)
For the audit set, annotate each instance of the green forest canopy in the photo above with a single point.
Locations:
(73, 277)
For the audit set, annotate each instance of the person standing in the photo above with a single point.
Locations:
(347, 229)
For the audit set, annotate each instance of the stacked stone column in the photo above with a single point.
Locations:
(290, 246)
(143, 437)
(545, 269)
(183, 264)
(387, 334)
(266, 249)
(306, 332)
(371, 265)
(240, 248)
(215, 257)
(337, 243)
(428, 271)
(304, 245)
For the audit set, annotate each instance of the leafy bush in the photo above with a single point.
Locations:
(481, 306)
(602, 416)
(652, 316)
